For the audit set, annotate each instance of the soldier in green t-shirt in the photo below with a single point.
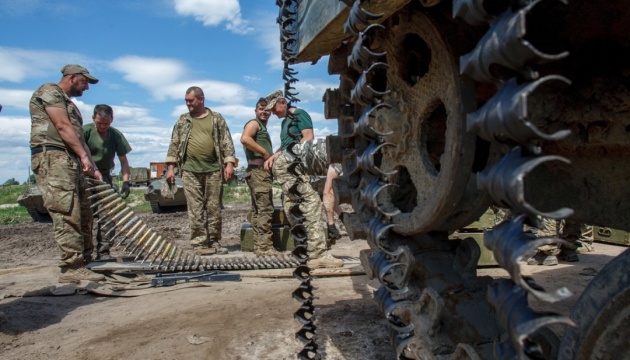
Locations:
(298, 126)
(105, 142)
(257, 144)
(201, 146)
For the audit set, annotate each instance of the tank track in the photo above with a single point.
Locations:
(287, 19)
(431, 296)
(147, 245)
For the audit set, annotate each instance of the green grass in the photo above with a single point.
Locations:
(10, 193)
(14, 215)
(233, 194)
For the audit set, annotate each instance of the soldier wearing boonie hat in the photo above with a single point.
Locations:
(298, 126)
(59, 155)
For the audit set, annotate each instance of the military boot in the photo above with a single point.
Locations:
(267, 252)
(325, 261)
(543, 259)
(218, 248)
(76, 273)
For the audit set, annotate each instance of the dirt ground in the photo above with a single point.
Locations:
(249, 319)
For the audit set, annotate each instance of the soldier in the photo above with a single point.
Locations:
(60, 159)
(104, 143)
(201, 145)
(331, 205)
(314, 157)
(258, 148)
(310, 206)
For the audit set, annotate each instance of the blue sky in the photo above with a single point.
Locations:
(146, 54)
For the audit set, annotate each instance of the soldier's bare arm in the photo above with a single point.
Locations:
(124, 167)
(307, 134)
(247, 139)
(59, 118)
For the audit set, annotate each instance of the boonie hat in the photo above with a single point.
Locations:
(72, 69)
(273, 98)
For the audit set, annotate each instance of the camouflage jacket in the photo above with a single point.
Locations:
(223, 144)
(43, 131)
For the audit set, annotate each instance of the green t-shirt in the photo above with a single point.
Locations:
(303, 122)
(201, 156)
(261, 138)
(104, 150)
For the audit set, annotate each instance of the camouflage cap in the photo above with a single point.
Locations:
(78, 69)
(273, 98)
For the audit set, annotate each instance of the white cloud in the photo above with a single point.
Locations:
(251, 78)
(21, 64)
(312, 90)
(215, 12)
(166, 79)
(16, 156)
(18, 99)
(268, 34)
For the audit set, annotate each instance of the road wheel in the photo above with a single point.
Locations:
(156, 208)
(602, 314)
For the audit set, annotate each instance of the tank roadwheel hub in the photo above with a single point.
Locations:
(434, 153)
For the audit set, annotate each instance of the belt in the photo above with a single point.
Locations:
(38, 149)
(252, 166)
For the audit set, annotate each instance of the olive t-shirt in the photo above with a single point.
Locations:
(104, 150)
(201, 156)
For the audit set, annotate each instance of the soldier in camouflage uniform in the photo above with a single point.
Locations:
(297, 126)
(314, 157)
(257, 145)
(201, 145)
(105, 142)
(60, 159)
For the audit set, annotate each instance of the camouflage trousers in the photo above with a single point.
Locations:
(63, 188)
(310, 205)
(259, 182)
(203, 192)
(103, 240)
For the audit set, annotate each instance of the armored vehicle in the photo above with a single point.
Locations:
(161, 204)
(32, 200)
(447, 107)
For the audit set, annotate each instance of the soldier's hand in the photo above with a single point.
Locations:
(124, 192)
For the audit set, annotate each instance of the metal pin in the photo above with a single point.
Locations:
(108, 206)
(102, 194)
(105, 200)
(122, 222)
(140, 232)
(168, 258)
(99, 188)
(157, 243)
(162, 255)
(144, 235)
(130, 224)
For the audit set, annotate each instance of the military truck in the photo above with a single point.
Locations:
(447, 107)
(161, 204)
(32, 200)
(138, 176)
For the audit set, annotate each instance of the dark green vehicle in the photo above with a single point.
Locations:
(161, 204)
(32, 200)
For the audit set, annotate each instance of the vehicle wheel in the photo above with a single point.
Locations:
(602, 314)
(434, 158)
(156, 208)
